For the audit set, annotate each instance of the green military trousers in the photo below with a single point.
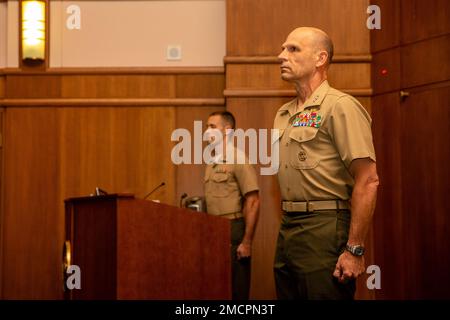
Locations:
(240, 269)
(308, 248)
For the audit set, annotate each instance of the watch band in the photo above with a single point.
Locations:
(356, 250)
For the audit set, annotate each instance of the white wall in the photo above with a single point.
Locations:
(137, 33)
(3, 8)
(12, 33)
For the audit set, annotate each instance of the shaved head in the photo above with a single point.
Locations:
(306, 55)
(317, 39)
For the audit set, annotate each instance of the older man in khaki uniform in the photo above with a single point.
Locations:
(327, 176)
(231, 192)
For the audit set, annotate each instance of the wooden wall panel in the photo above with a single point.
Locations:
(268, 76)
(389, 34)
(114, 149)
(2, 85)
(349, 76)
(32, 224)
(150, 83)
(426, 186)
(424, 19)
(259, 27)
(389, 219)
(33, 86)
(255, 76)
(386, 71)
(426, 61)
(200, 85)
(411, 220)
(117, 86)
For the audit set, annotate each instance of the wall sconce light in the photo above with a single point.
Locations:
(33, 30)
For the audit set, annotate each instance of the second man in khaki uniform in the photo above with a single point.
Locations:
(232, 192)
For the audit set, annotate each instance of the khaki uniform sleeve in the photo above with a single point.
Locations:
(246, 178)
(350, 129)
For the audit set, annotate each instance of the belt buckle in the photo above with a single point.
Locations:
(309, 207)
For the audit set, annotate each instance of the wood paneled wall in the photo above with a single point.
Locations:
(2, 85)
(411, 224)
(2, 91)
(259, 27)
(69, 131)
(254, 91)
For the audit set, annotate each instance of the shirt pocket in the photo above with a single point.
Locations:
(301, 153)
(218, 184)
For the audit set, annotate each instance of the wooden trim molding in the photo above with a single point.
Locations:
(112, 102)
(285, 93)
(418, 88)
(115, 71)
(274, 59)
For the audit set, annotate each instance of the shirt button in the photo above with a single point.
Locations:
(285, 166)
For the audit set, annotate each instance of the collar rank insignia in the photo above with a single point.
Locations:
(308, 119)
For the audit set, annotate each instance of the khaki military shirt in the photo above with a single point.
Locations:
(318, 143)
(226, 184)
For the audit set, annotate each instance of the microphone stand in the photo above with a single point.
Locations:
(162, 184)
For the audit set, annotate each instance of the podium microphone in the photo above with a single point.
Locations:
(99, 192)
(162, 184)
(184, 195)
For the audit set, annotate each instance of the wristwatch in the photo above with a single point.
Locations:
(356, 250)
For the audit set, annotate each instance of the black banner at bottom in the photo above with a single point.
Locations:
(185, 310)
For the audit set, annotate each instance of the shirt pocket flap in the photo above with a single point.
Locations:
(219, 177)
(303, 134)
(280, 134)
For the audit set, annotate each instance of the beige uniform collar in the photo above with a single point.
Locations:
(222, 158)
(314, 100)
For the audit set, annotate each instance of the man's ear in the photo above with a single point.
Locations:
(322, 58)
(227, 127)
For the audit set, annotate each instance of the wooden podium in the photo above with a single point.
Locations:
(129, 248)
